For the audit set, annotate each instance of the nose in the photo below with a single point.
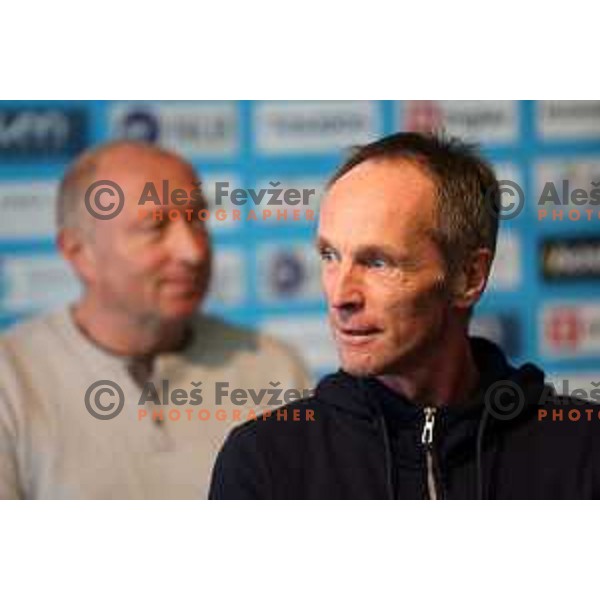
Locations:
(189, 243)
(346, 294)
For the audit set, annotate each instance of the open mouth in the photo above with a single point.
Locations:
(357, 336)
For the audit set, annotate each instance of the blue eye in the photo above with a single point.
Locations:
(377, 263)
(326, 255)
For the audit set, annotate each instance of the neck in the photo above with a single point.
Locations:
(439, 381)
(127, 335)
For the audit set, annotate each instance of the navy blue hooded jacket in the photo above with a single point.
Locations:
(357, 439)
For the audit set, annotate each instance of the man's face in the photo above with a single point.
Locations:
(383, 275)
(150, 269)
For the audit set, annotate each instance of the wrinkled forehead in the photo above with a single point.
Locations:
(380, 199)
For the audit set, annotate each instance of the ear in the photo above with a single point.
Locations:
(472, 279)
(77, 249)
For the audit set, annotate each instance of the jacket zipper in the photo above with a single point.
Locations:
(427, 441)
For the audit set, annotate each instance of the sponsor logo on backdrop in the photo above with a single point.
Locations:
(36, 283)
(141, 125)
(194, 129)
(503, 329)
(486, 121)
(568, 190)
(227, 287)
(27, 209)
(570, 258)
(424, 115)
(568, 118)
(39, 134)
(289, 272)
(571, 329)
(312, 126)
(506, 268)
(310, 336)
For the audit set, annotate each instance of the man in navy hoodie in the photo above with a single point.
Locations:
(407, 235)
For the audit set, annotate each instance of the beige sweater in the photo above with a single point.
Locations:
(51, 446)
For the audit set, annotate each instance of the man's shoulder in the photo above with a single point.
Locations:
(29, 353)
(213, 326)
(30, 336)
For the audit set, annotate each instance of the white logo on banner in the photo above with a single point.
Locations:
(487, 121)
(289, 272)
(194, 129)
(227, 287)
(33, 283)
(314, 126)
(44, 129)
(570, 329)
(27, 209)
(555, 177)
(568, 118)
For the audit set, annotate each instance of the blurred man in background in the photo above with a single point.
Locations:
(407, 235)
(133, 344)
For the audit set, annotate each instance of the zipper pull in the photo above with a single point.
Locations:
(427, 441)
(427, 435)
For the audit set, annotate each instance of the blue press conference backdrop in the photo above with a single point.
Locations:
(542, 303)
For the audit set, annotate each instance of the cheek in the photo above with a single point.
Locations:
(412, 300)
(147, 260)
(326, 281)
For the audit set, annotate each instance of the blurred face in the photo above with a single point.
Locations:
(383, 275)
(148, 268)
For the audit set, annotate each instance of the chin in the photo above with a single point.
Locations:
(360, 365)
(177, 311)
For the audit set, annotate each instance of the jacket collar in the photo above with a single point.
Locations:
(367, 397)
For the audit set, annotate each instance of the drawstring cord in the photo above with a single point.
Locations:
(387, 447)
(479, 452)
(388, 457)
(480, 478)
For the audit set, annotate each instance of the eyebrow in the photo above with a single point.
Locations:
(384, 250)
(321, 243)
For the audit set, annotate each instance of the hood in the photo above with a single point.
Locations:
(498, 390)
